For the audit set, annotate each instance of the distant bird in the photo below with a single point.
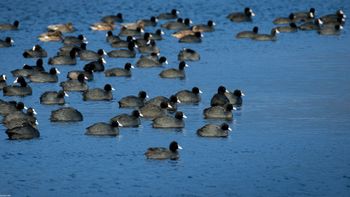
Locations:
(187, 54)
(64, 28)
(146, 62)
(170, 121)
(64, 60)
(24, 132)
(211, 130)
(6, 26)
(133, 101)
(45, 77)
(285, 20)
(53, 98)
(196, 38)
(248, 34)
(126, 120)
(292, 27)
(124, 53)
(74, 40)
(51, 36)
(102, 26)
(98, 94)
(245, 16)
(75, 85)
(157, 35)
(3, 83)
(333, 30)
(22, 90)
(118, 18)
(103, 129)
(173, 14)
(36, 52)
(7, 42)
(219, 112)
(66, 114)
(209, 27)
(119, 72)
(267, 37)
(189, 96)
(160, 153)
(174, 73)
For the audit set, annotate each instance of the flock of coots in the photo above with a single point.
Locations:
(130, 42)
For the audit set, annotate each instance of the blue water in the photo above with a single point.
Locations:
(291, 138)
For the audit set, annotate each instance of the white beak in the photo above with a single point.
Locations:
(57, 71)
(200, 92)
(113, 89)
(65, 94)
(132, 66)
(36, 122)
(179, 147)
(229, 129)
(34, 112)
(141, 115)
(184, 116)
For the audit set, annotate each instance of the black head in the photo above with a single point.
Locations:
(221, 90)
(195, 90)
(16, 23)
(81, 78)
(8, 40)
(39, 62)
(229, 107)
(340, 12)
(127, 66)
(162, 60)
(131, 46)
(83, 46)
(114, 124)
(108, 88)
(20, 106)
(248, 11)
(101, 52)
(164, 105)
(174, 12)
(73, 52)
(337, 27)
(146, 36)
(179, 20)
(109, 33)
(198, 34)
(312, 10)
(53, 71)
(237, 93)
(173, 99)
(31, 111)
(255, 29)
(135, 113)
(89, 67)
(225, 126)
(139, 29)
(291, 16)
(120, 15)
(154, 19)
(152, 43)
(159, 32)
(61, 94)
(142, 94)
(182, 65)
(101, 61)
(21, 81)
(2, 78)
(130, 38)
(293, 25)
(25, 54)
(174, 146)
(179, 115)
(211, 23)
(187, 21)
(81, 37)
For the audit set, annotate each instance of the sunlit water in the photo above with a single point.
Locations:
(291, 138)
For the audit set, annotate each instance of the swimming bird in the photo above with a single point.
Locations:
(126, 120)
(170, 121)
(196, 38)
(75, 85)
(187, 54)
(189, 96)
(333, 30)
(36, 52)
(74, 40)
(245, 16)
(3, 83)
(102, 26)
(235, 97)
(312, 25)
(160, 153)
(51, 36)
(89, 55)
(45, 77)
(66, 114)
(110, 38)
(123, 43)
(172, 101)
(20, 118)
(219, 112)
(209, 27)
(133, 101)
(131, 32)
(118, 18)
(248, 34)
(98, 94)
(124, 53)
(7, 26)
(267, 37)
(53, 97)
(173, 14)
(103, 129)
(219, 99)
(211, 130)
(174, 73)
(149, 48)
(152, 111)
(7, 42)
(22, 90)
(292, 27)
(24, 132)
(27, 70)
(64, 60)
(285, 20)
(157, 35)
(64, 28)
(146, 62)
(119, 72)
(87, 72)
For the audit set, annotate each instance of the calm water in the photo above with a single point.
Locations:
(290, 138)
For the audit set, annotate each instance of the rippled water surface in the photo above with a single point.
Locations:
(291, 137)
